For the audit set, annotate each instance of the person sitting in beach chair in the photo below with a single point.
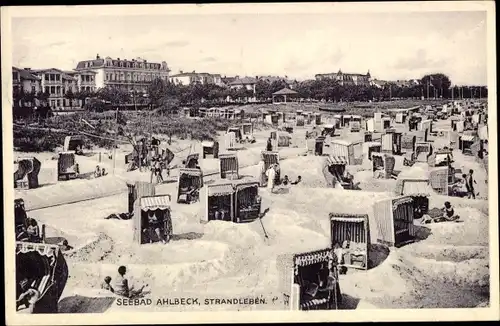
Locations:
(21, 234)
(28, 296)
(220, 215)
(154, 229)
(33, 231)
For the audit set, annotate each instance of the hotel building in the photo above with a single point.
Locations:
(129, 75)
(346, 78)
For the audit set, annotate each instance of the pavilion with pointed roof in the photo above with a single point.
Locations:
(285, 92)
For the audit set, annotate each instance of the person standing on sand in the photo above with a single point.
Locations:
(157, 166)
(269, 146)
(470, 185)
(262, 173)
(271, 175)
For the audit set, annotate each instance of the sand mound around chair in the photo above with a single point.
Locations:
(67, 192)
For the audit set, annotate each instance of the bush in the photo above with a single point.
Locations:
(142, 124)
(30, 140)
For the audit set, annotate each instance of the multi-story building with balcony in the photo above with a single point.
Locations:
(129, 75)
(56, 83)
(85, 80)
(188, 78)
(346, 78)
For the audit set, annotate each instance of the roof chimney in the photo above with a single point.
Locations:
(181, 71)
(97, 56)
(27, 68)
(257, 77)
(118, 59)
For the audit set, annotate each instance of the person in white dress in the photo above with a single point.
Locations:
(262, 173)
(271, 174)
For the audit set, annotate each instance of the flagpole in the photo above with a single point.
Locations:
(114, 146)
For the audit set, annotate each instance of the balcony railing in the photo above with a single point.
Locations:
(126, 82)
(53, 82)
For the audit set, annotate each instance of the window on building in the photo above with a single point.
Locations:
(52, 90)
(58, 77)
(58, 103)
(33, 89)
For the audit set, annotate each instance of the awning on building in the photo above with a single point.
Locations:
(220, 190)
(247, 184)
(339, 160)
(312, 258)
(155, 202)
(414, 187)
(227, 156)
(469, 138)
(348, 219)
(191, 172)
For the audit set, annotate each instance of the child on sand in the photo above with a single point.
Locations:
(106, 285)
(65, 246)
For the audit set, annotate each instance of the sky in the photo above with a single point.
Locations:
(391, 46)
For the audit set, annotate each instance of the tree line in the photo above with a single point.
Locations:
(164, 95)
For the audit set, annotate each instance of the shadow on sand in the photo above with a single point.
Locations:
(187, 236)
(54, 240)
(281, 191)
(421, 233)
(378, 254)
(348, 302)
(81, 304)
(45, 185)
(236, 149)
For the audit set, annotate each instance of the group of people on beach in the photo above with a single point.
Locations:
(465, 186)
(273, 177)
(121, 285)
